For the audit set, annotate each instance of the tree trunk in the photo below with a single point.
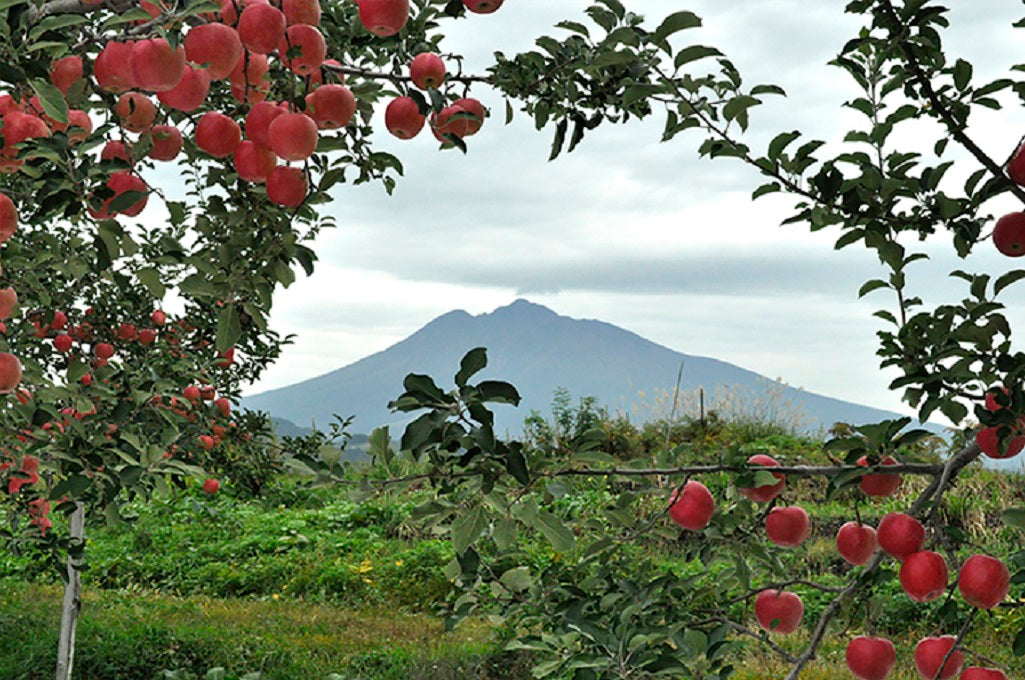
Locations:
(72, 601)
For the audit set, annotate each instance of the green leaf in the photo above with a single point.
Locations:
(870, 286)
(499, 392)
(467, 528)
(423, 387)
(150, 277)
(517, 579)
(962, 74)
(780, 142)
(504, 533)
(1014, 517)
(1007, 279)
(379, 443)
(694, 53)
(678, 21)
(229, 329)
(51, 99)
(1018, 646)
(472, 362)
(557, 533)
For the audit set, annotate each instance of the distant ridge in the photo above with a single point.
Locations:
(537, 350)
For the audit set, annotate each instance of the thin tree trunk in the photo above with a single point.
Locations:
(72, 601)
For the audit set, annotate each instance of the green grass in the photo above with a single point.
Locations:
(135, 635)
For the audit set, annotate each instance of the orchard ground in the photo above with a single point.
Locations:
(302, 582)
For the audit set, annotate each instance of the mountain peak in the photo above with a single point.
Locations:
(522, 308)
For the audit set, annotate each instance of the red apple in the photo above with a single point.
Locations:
(1016, 167)
(692, 506)
(764, 493)
(206, 441)
(308, 46)
(10, 372)
(900, 535)
(227, 357)
(383, 17)
(104, 350)
(877, 484)
(156, 66)
(8, 301)
(218, 134)
(158, 317)
(1009, 234)
(870, 658)
(301, 11)
(779, 612)
(191, 393)
(991, 398)
(261, 28)
(856, 542)
(215, 45)
(482, 6)
(211, 486)
(988, 439)
(287, 186)
(113, 67)
(984, 581)
(474, 107)
(293, 136)
(254, 162)
(167, 142)
(258, 122)
(190, 92)
(929, 654)
(427, 71)
(331, 106)
(64, 73)
(788, 527)
(8, 218)
(120, 183)
(403, 119)
(136, 111)
(147, 336)
(115, 149)
(979, 673)
(924, 576)
(224, 406)
(78, 119)
(63, 343)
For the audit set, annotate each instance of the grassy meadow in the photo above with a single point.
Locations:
(304, 583)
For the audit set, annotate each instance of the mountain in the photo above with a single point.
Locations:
(538, 350)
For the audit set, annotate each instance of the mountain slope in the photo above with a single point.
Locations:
(537, 350)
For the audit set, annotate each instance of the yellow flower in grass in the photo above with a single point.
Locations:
(398, 563)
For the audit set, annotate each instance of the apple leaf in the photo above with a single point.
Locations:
(1014, 517)
(557, 533)
(676, 22)
(474, 360)
(517, 579)
(229, 330)
(467, 528)
(51, 100)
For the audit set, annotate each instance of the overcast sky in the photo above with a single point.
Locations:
(630, 231)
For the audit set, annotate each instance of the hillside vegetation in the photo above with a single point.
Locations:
(303, 582)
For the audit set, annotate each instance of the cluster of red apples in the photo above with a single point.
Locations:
(233, 46)
(983, 581)
(99, 345)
